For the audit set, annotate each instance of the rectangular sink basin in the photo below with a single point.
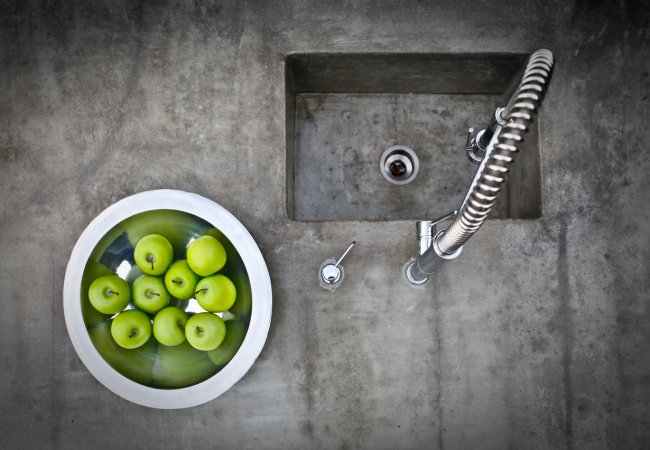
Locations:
(344, 110)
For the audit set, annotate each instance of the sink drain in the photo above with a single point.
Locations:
(399, 164)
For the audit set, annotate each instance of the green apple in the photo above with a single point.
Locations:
(216, 293)
(135, 364)
(149, 294)
(131, 328)
(174, 225)
(205, 331)
(92, 271)
(153, 254)
(109, 294)
(180, 281)
(237, 274)
(206, 255)
(236, 271)
(181, 366)
(169, 326)
(235, 333)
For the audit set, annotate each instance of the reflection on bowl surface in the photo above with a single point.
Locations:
(154, 364)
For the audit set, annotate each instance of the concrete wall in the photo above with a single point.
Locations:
(536, 337)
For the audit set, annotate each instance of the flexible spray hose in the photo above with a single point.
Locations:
(519, 114)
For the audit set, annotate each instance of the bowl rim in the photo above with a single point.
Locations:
(258, 275)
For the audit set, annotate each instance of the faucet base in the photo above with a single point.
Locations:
(407, 271)
(418, 270)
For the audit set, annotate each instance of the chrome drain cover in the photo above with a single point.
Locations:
(399, 164)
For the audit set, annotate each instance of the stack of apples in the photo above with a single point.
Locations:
(163, 278)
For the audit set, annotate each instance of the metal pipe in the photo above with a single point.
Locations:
(484, 138)
(426, 263)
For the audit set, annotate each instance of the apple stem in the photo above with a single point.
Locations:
(150, 259)
(200, 330)
(133, 333)
(150, 293)
(110, 292)
(178, 282)
(204, 289)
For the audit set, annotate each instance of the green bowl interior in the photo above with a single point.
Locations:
(153, 364)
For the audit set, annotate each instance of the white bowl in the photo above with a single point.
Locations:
(260, 297)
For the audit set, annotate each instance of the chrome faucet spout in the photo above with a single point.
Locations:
(500, 143)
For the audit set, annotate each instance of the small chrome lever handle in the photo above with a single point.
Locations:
(443, 218)
(470, 140)
(471, 147)
(426, 231)
(428, 227)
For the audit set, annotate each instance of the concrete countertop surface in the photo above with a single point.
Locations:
(536, 337)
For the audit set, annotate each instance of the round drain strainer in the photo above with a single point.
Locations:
(399, 164)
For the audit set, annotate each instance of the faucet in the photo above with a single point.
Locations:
(494, 149)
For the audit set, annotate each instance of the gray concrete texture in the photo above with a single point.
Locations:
(536, 337)
(339, 141)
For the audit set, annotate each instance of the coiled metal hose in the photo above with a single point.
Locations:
(518, 114)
